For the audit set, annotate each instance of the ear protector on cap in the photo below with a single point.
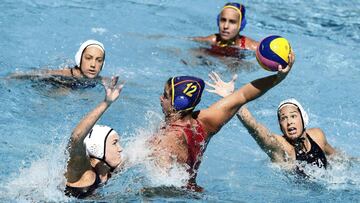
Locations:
(240, 9)
(181, 102)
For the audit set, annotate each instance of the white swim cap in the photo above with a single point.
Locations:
(95, 141)
(86, 44)
(294, 102)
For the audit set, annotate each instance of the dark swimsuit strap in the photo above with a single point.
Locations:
(71, 72)
(312, 142)
(81, 192)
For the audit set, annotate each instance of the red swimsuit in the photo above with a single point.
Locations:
(196, 139)
(228, 50)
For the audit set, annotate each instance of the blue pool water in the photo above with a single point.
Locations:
(146, 43)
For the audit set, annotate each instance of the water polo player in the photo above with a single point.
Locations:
(94, 150)
(89, 59)
(186, 133)
(298, 144)
(231, 21)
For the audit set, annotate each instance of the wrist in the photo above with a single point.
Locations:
(279, 78)
(107, 102)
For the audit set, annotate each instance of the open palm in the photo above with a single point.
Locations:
(221, 88)
(112, 89)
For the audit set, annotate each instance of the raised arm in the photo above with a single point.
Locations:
(222, 111)
(264, 138)
(267, 141)
(78, 162)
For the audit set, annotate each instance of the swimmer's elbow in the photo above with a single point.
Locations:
(77, 136)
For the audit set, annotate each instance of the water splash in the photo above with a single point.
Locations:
(42, 181)
(341, 174)
(137, 152)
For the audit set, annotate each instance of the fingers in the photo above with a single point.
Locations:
(291, 58)
(120, 85)
(291, 62)
(292, 53)
(114, 80)
(285, 70)
(216, 76)
(104, 81)
(234, 78)
(210, 90)
(282, 70)
(212, 76)
(211, 85)
(217, 80)
(111, 84)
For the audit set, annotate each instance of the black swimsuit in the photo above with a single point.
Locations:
(315, 156)
(71, 82)
(82, 192)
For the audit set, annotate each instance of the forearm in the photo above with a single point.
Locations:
(78, 162)
(25, 76)
(89, 121)
(258, 87)
(199, 39)
(222, 111)
(263, 137)
(39, 73)
(208, 39)
(247, 93)
(256, 130)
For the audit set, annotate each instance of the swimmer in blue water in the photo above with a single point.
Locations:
(231, 21)
(94, 150)
(89, 59)
(186, 133)
(297, 144)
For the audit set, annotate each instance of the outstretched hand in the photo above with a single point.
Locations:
(112, 89)
(282, 72)
(221, 88)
